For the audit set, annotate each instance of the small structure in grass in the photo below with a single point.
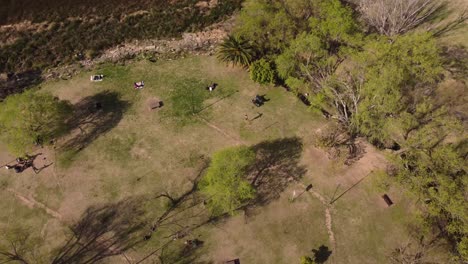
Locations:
(387, 200)
(154, 104)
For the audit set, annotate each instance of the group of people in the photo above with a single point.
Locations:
(23, 163)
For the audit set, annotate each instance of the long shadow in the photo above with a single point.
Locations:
(17, 83)
(93, 116)
(217, 101)
(276, 166)
(103, 232)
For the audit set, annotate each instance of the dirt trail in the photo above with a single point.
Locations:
(31, 203)
(328, 216)
(238, 141)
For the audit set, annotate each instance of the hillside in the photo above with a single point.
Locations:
(36, 35)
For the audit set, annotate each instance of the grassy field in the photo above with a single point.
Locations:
(126, 154)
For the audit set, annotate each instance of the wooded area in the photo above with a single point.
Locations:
(378, 79)
(374, 70)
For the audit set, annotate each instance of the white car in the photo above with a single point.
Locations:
(97, 78)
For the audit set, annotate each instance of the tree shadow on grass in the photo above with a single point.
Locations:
(103, 232)
(321, 254)
(276, 166)
(93, 116)
(182, 254)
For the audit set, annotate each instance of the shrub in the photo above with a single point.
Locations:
(262, 72)
(235, 50)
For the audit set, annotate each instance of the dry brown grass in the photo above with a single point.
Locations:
(146, 153)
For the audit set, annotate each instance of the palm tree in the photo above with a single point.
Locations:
(236, 50)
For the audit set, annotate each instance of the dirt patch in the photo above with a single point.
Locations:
(277, 233)
(31, 203)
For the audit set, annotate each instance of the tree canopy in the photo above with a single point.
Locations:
(31, 118)
(224, 183)
(379, 86)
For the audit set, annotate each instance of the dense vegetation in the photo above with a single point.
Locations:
(32, 118)
(381, 86)
(224, 184)
(77, 30)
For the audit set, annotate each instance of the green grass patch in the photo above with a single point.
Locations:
(111, 189)
(51, 196)
(65, 158)
(118, 147)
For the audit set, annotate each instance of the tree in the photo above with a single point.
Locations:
(32, 118)
(315, 54)
(397, 16)
(393, 70)
(434, 170)
(308, 59)
(270, 25)
(262, 72)
(236, 50)
(224, 184)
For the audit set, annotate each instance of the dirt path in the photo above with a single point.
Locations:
(328, 216)
(238, 141)
(31, 203)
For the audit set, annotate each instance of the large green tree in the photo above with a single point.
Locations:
(316, 53)
(271, 24)
(434, 169)
(32, 118)
(224, 183)
(394, 70)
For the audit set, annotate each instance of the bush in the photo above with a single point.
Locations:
(262, 72)
(236, 50)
